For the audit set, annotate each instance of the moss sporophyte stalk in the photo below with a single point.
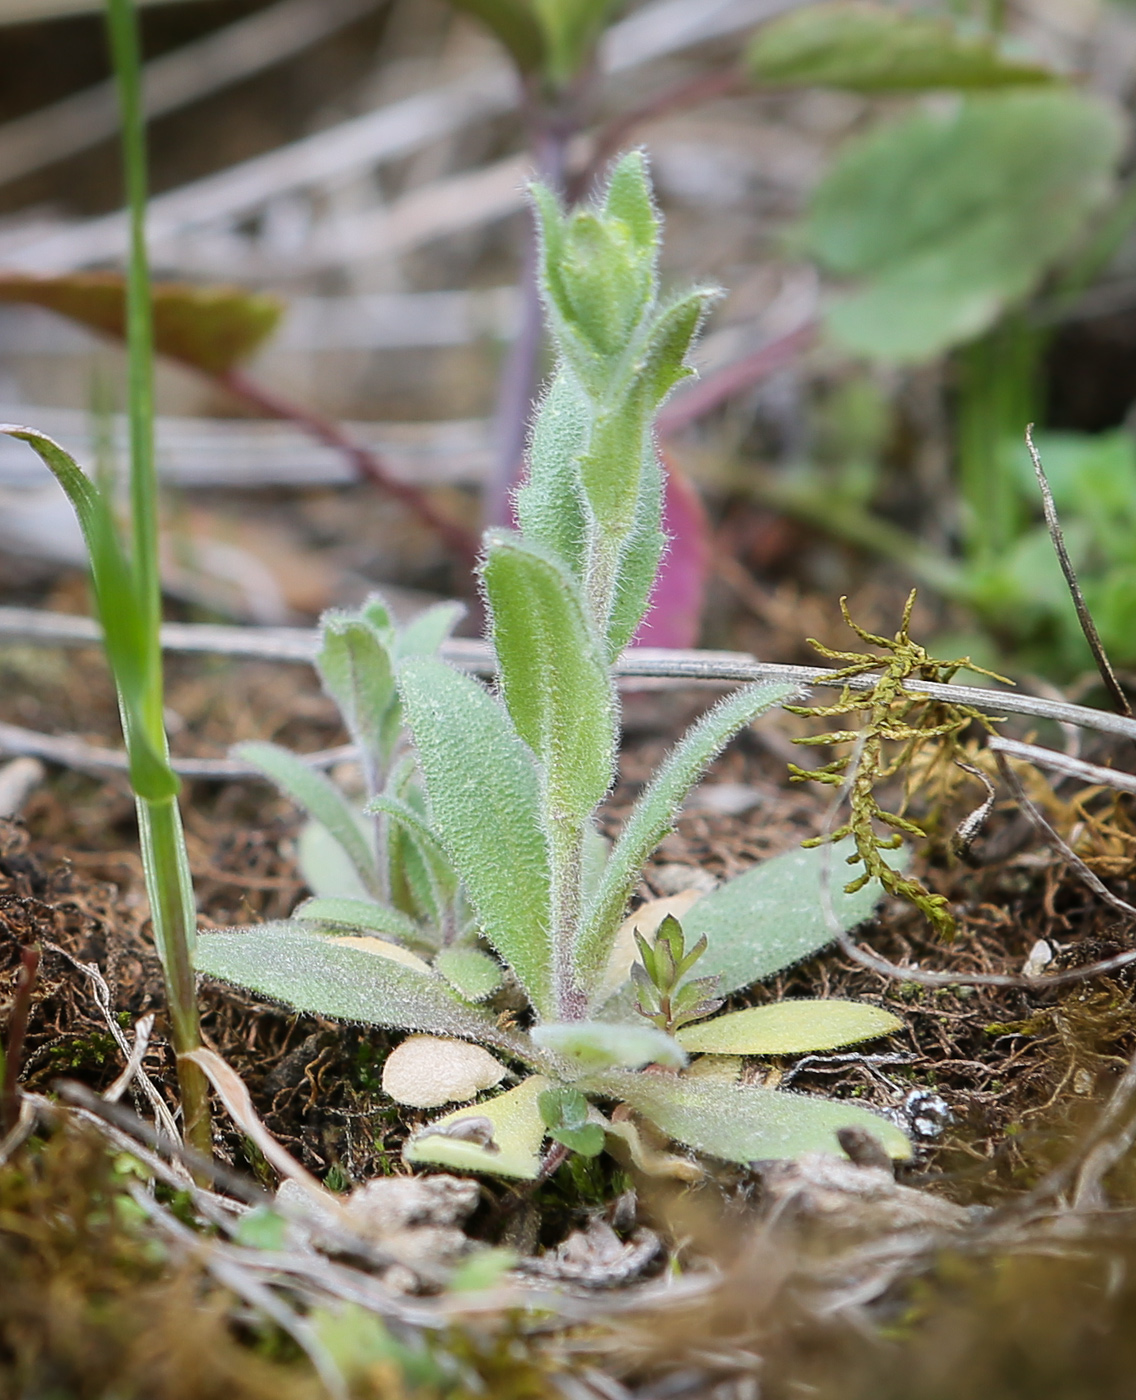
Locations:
(474, 870)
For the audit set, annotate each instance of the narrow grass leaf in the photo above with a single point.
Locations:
(789, 1028)
(484, 793)
(745, 1123)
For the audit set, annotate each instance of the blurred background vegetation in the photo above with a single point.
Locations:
(922, 214)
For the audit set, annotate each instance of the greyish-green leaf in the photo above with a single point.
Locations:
(320, 798)
(598, 1044)
(553, 675)
(475, 974)
(789, 1028)
(360, 914)
(655, 812)
(745, 1123)
(484, 791)
(358, 673)
(772, 916)
(324, 976)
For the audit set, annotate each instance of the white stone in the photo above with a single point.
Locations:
(426, 1071)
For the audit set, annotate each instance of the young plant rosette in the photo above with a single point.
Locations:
(513, 778)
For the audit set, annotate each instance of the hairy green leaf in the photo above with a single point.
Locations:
(509, 1125)
(553, 676)
(744, 1123)
(425, 633)
(947, 217)
(354, 979)
(484, 794)
(599, 1044)
(655, 812)
(357, 672)
(474, 973)
(875, 48)
(571, 29)
(513, 24)
(639, 557)
(327, 869)
(320, 798)
(772, 916)
(361, 914)
(789, 1028)
(550, 507)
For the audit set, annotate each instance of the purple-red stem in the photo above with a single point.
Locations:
(17, 1030)
(464, 543)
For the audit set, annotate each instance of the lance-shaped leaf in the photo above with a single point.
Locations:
(744, 1123)
(876, 48)
(654, 815)
(352, 979)
(501, 1136)
(773, 915)
(550, 504)
(554, 677)
(424, 634)
(475, 974)
(599, 1044)
(789, 1028)
(362, 914)
(639, 559)
(320, 798)
(357, 672)
(484, 793)
(211, 328)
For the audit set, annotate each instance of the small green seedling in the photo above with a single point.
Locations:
(513, 779)
(127, 591)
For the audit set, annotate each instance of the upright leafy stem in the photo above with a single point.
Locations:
(512, 782)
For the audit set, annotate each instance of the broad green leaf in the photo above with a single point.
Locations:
(654, 815)
(512, 1124)
(599, 1044)
(360, 913)
(788, 1028)
(474, 973)
(876, 48)
(772, 916)
(554, 678)
(326, 867)
(320, 798)
(744, 1123)
(211, 328)
(424, 634)
(946, 218)
(358, 673)
(343, 977)
(484, 794)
